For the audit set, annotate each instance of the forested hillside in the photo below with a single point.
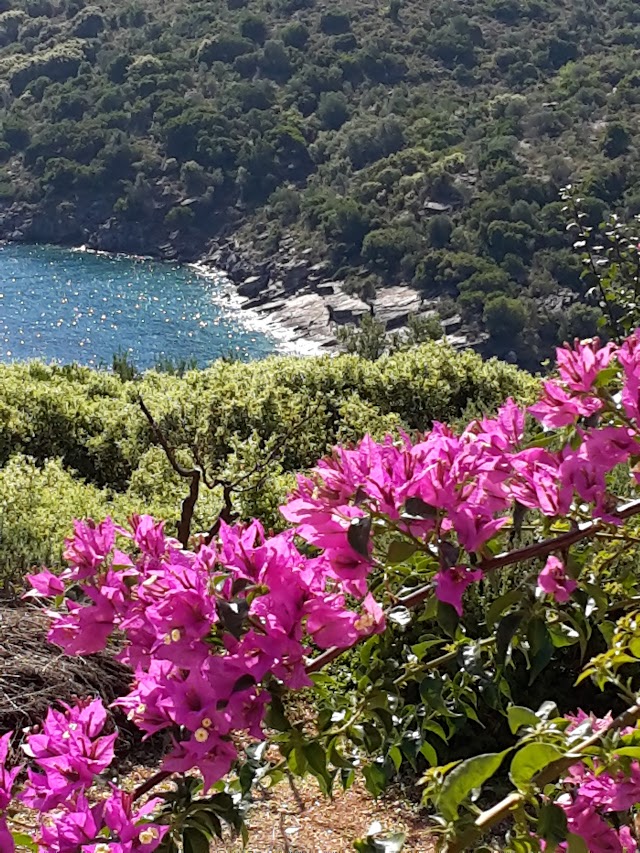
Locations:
(412, 141)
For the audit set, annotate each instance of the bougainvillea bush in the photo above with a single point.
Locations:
(462, 566)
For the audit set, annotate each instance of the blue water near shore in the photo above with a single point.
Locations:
(65, 306)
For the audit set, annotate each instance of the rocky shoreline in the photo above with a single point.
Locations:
(296, 293)
(288, 288)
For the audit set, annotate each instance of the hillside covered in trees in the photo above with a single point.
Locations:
(401, 142)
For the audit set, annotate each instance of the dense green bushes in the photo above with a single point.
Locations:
(73, 441)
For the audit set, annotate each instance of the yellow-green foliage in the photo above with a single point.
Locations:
(235, 414)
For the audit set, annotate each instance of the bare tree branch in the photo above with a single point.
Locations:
(194, 474)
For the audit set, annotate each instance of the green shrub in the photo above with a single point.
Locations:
(290, 411)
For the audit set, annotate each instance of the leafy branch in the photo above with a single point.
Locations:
(553, 771)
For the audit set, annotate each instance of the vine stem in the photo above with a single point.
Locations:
(414, 599)
(150, 784)
(501, 811)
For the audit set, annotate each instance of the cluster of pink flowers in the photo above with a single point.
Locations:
(204, 631)
(595, 795)
(458, 489)
(207, 631)
(66, 756)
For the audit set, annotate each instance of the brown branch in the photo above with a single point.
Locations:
(194, 474)
(162, 441)
(150, 784)
(501, 811)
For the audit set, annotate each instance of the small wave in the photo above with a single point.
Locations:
(287, 340)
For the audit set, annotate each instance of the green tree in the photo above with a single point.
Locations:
(254, 27)
(385, 248)
(334, 22)
(296, 34)
(439, 231)
(333, 110)
(504, 318)
(617, 140)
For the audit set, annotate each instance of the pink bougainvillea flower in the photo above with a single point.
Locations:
(68, 753)
(7, 780)
(129, 826)
(580, 364)
(559, 408)
(7, 777)
(608, 446)
(70, 830)
(554, 581)
(83, 630)
(537, 483)
(629, 358)
(205, 750)
(45, 584)
(452, 583)
(88, 548)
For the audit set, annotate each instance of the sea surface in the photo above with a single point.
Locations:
(63, 306)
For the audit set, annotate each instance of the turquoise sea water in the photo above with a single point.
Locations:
(63, 306)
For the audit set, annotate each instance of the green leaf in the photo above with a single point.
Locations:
(514, 596)
(400, 550)
(297, 762)
(375, 779)
(541, 647)
(337, 759)
(448, 618)
(552, 824)
(576, 844)
(464, 779)
(420, 649)
(431, 688)
(428, 752)
(629, 751)
(506, 631)
(195, 842)
(417, 508)
(275, 717)
(530, 760)
(347, 778)
(358, 535)
(436, 728)
(520, 716)
(317, 758)
(563, 635)
(396, 757)
(24, 841)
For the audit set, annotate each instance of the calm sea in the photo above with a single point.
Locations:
(64, 306)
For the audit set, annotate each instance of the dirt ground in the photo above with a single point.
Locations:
(296, 818)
